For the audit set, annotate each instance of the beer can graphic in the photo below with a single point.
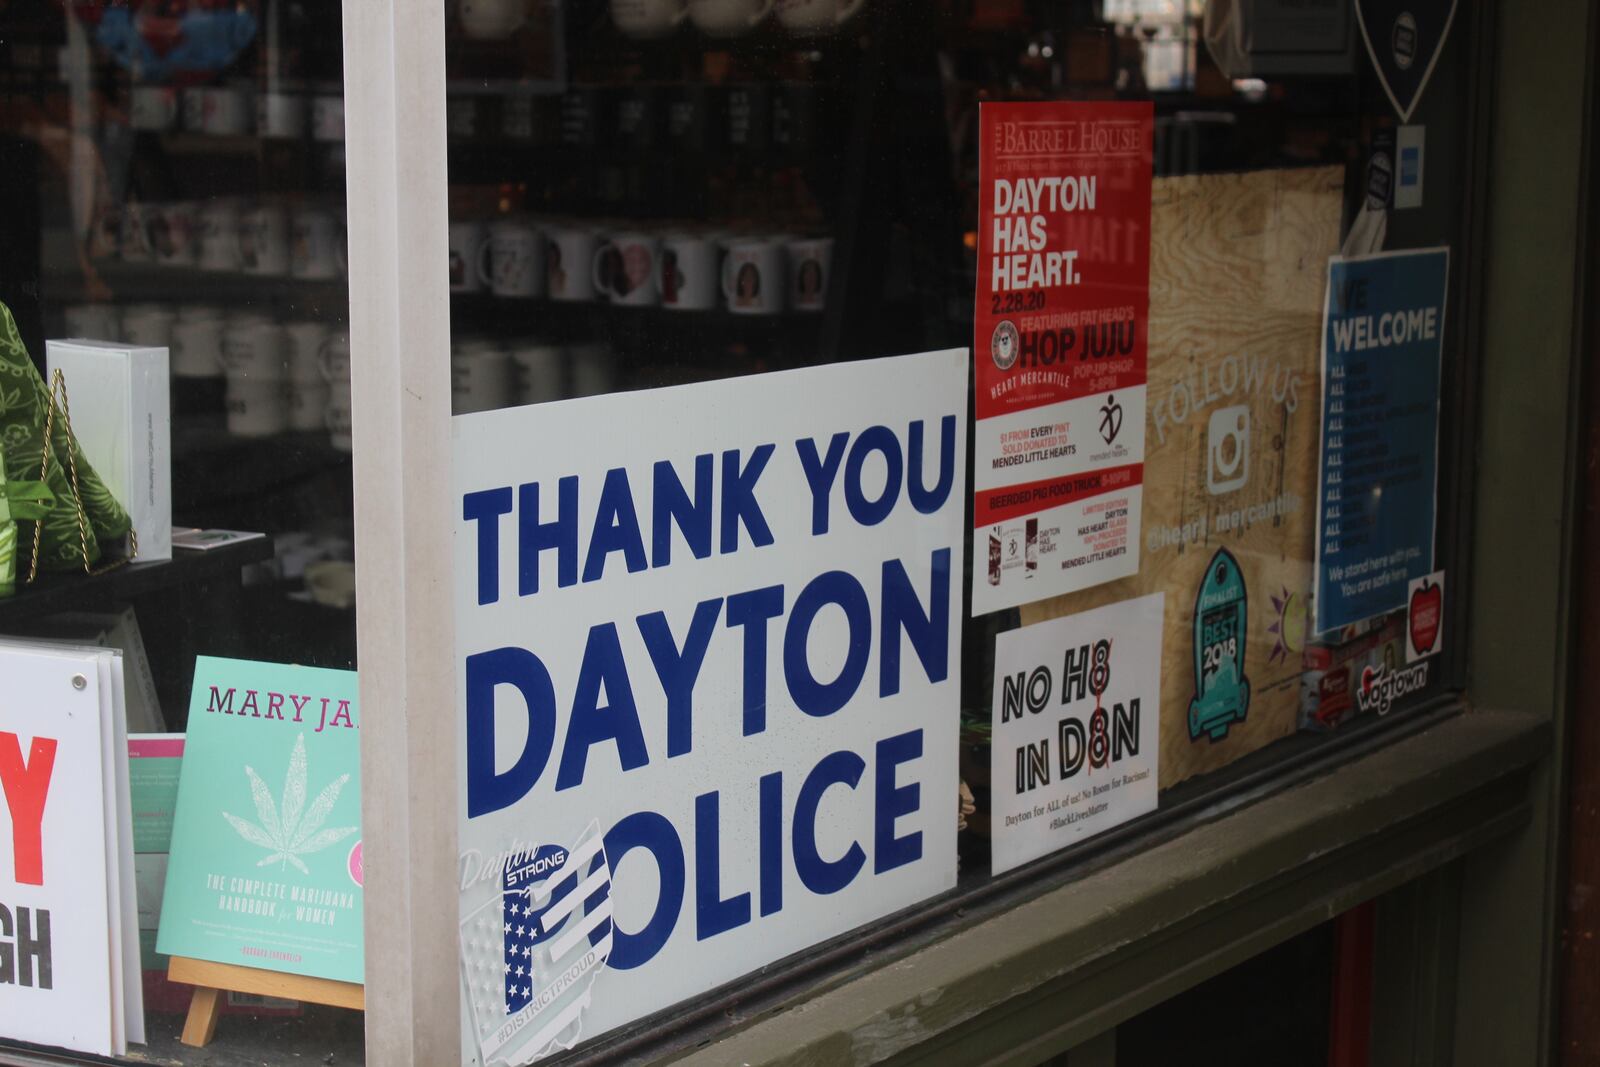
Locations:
(1031, 551)
(994, 556)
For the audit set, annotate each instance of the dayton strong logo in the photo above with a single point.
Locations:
(529, 959)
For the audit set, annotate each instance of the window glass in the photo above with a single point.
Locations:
(656, 192)
(174, 246)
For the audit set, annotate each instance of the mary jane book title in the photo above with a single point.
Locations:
(266, 842)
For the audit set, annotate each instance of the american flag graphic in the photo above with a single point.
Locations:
(530, 958)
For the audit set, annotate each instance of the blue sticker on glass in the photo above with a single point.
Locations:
(1221, 614)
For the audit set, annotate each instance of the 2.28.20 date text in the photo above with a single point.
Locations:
(1009, 303)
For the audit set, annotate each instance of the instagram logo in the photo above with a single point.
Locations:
(1228, 450)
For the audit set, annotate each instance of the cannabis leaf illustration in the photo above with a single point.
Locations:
(288, 829)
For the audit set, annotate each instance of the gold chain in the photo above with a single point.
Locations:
(59, 383)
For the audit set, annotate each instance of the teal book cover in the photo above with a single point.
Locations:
(265, 868)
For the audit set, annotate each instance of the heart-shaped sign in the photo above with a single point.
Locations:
(1404, 39)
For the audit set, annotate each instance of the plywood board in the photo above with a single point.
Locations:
(1238, 265)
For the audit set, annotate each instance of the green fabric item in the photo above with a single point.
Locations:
(24, 405)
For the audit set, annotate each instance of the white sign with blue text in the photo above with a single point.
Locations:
(708, 676)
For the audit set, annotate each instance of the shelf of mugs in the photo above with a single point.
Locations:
(739, 118)
(486, 24)
(673, 270)
(238, 112)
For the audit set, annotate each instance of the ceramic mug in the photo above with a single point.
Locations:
(815, 16)
(490, 19)
(728, 18)
(480, 377)
(219, 236)
(256, 408)
(810, 263)
(172, 233)
(643, 19)
(314, 252)
(594, 368)
(687, 273)
(467, 269)
(334, 360)
(254, 349)
(264, 240)
(753, 278)
(304, 343)
(282, 114)
(148, 325)
(153, 107)
(624, 269)
(92, 322)
(337, 418)
(515, 251)
(229, 110)
(538, 372)
(133, 244)
(568, 261)
(327, 116)
(196, 349)
(308, 403)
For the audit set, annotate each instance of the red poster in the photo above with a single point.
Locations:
(1060, 347)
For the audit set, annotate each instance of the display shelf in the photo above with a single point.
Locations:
(134, 282)
(56, 591)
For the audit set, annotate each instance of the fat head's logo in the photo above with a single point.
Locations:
(1004, 345)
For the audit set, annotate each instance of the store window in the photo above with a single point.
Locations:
(177, 439)
(898, 449)
(1201, 255)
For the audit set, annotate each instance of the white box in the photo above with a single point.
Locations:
(121, 414)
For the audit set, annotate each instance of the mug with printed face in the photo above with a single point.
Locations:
(625, 269)
(753, 278)
(264, 240)
(219, 236)
(687, 272)
(133, 244)
(480, 377)
(334, 360)
(568, 262)
(466, 256)
(810, 261)
(172, 233)
(315, 252)
(728, 18)
(648, 18)
(515, 259)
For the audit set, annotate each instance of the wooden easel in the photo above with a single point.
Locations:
(210, 980)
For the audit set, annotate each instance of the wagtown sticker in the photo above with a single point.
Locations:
(708, 673)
